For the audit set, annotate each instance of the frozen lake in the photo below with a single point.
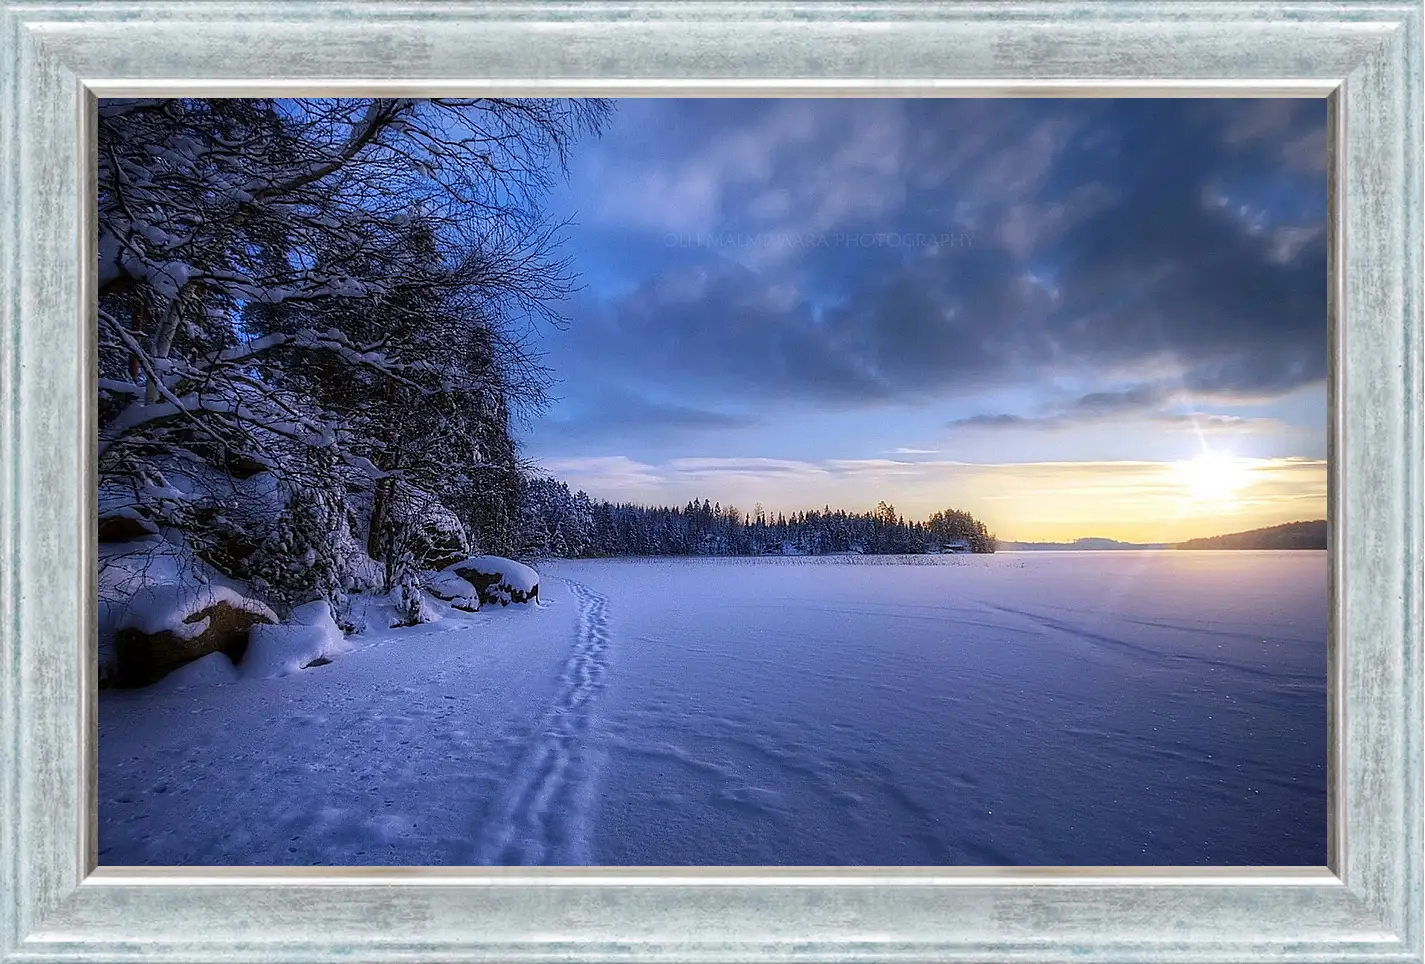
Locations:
(1017, 709)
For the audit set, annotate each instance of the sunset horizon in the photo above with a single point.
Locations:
(1051, 314)
(1128, 501)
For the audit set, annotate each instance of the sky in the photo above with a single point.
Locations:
(1071, 318)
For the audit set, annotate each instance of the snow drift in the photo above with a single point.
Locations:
(310, 635)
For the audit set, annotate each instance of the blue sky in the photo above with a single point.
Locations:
(937, 302)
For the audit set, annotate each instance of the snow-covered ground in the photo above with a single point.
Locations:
(1023, 708)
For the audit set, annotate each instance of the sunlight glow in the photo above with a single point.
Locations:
(1213, 476)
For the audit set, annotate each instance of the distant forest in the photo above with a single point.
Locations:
(1292, 535)
(558, 522)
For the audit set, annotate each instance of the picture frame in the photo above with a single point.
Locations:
(1366, 905)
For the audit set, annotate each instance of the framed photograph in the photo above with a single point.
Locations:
(712, 482)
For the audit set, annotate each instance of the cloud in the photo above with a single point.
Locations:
(608, 476)
(776, 473)
(1175, 242)
(1152, 403)
(726, 327)
(1202, 421)
(1133, 399)
(690, 169)
(1003, 420)
(619, 414)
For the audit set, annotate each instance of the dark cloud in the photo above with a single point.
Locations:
(1134, 399)
(1177, 244)
(1061, 420)
(1145, 402)
(723, 325)
(620, 414)
(1002, 420)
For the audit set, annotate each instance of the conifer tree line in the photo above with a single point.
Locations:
(558, 522)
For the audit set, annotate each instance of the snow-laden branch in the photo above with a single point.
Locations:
(139, 414)
(379, 114)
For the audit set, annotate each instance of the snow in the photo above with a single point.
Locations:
(375, 612)
(515, 575)
(155, 235)
(1026, 709)
(447, 586)
(211, 670)
(309, 634)
(154, 586)
(168, 607)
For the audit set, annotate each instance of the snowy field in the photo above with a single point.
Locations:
(1017, 709)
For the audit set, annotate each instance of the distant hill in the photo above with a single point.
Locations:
(1292, 535)
(1090, 544)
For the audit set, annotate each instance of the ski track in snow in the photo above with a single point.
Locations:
(543, 816)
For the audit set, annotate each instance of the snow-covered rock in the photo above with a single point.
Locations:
(311, 634)
(497, 580)
(166, 625)
(448, 587)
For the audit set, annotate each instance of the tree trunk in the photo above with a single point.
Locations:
(163, 340)
(380, 506)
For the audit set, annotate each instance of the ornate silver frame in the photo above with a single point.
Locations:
(58, 55)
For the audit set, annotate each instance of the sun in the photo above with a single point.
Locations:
(1213, 476)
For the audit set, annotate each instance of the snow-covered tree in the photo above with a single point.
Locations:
(330, 291)
(554, 521)
(700, 528)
